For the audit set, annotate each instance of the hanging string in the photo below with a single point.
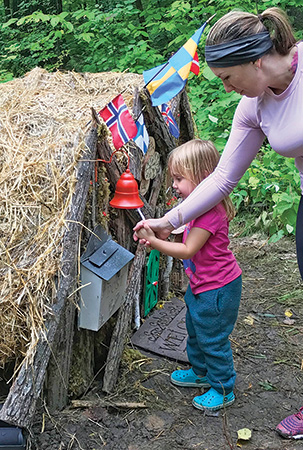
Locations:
(111, 157)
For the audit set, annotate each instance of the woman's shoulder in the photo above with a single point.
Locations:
(300, 50)
(247, 112)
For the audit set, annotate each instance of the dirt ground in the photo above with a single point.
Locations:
(268, 354)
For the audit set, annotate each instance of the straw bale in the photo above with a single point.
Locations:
(43, 121)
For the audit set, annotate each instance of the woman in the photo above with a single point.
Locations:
(258, 57)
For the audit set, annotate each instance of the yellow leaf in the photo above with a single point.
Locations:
(288, 313)
(249, 320)
(244, 434)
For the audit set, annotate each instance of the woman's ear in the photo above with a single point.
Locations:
(257, 64)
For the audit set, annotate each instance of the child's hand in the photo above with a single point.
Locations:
(161, 227)
(145, 233)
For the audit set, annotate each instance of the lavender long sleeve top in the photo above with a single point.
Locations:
(277, 117)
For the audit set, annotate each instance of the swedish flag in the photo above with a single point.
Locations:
(166, 81)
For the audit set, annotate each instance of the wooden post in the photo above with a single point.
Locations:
(123, 322)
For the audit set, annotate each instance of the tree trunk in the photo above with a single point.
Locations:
(157, 128)
(7, 9)
(59, 365)
(83, 362)
(187, 130)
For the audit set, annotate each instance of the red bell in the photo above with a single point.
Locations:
(126, 194)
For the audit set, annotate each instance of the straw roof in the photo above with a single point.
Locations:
(43, 120)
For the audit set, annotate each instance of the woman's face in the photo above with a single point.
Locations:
(245, 79)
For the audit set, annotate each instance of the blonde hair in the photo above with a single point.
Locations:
(195, 160)
(240, 24)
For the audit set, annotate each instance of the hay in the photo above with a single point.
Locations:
(43, 120)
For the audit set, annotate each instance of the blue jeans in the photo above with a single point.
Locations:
(210, 318)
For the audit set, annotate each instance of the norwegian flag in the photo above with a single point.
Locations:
(169, 120)
(195, 67)
(119, 121)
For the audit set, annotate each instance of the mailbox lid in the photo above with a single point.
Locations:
(103, 254)
(108, 260)
(97, 238)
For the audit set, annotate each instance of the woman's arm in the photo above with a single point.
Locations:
(194, 241)
(243, 144)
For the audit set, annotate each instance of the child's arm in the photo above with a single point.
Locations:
(194, 241)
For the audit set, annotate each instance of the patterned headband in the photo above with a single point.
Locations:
(239, 51)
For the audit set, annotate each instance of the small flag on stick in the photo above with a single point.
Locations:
(142, 138)
(170, 120)
(166, 81)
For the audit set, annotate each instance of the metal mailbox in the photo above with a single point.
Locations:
(103, 276)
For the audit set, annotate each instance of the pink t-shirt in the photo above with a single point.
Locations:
(214, 265)
(277, 117)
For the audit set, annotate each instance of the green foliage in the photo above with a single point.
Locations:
(270, 190)
(212, 108)
(136, 35)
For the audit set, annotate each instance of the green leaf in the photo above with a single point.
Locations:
(58, 33)
(69, 26)
(267, 386)
(9, 23)
(276, 237)
(208, 74)
(86, 36)
(54, 21)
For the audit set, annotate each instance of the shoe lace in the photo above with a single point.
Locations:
(299, 414)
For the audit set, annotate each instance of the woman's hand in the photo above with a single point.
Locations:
(161, 227)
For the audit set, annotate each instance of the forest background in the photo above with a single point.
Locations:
(136, 35)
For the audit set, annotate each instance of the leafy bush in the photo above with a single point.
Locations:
(270, 190)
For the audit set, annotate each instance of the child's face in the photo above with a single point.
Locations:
(182, 185)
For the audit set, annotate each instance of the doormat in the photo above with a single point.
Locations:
(164, 331)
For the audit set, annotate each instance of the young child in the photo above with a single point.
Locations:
(213, 295)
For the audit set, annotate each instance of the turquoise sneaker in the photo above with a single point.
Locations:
(188, 378)
(213, 400)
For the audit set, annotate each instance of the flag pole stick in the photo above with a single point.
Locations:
(140, 113)
(162, 68)
(208, 20)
